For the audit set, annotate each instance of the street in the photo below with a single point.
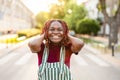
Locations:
(21, 64)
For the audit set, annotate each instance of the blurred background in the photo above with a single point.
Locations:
(96, 22)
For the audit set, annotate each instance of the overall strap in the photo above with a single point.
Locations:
(46, 53)
(62, 54)
(45, 57)
(62, 58)
(44, 60)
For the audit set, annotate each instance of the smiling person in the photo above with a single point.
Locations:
(54, 48)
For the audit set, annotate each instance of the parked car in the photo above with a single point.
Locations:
(72, 33)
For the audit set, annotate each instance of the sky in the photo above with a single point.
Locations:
(41, 5)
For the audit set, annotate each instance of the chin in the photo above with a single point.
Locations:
(56, 42)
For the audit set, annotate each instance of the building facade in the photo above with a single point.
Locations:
(14, 15)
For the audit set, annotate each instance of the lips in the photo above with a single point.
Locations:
(55, 38)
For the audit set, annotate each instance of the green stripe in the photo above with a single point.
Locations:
(52, 70)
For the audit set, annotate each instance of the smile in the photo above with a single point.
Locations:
(56, 37)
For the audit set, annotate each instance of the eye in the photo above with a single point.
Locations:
(60, 29)
(51, 29)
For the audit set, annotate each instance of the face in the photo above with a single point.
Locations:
(55, 32)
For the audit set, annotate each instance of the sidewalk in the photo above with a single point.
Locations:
(101, 50)
(114, 60)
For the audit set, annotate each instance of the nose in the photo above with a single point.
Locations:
(55, 31)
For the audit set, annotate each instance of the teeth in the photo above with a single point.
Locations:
(55, 37)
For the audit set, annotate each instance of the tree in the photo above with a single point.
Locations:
(74, 13)
(66, 10)
(113, 20)
(56, 11)
(41, 18)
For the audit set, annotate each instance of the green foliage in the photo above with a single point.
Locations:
(20, 36)
(67, 10)
(56, 12)
(88, 26)
(78, 12)
(28, 32)
(11, 39)
(41, 18)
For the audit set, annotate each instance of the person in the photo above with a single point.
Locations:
(54, 48)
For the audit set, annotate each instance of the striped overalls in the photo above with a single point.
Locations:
(54, 71)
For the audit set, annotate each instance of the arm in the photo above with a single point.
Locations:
(35, 44)
(77, 43)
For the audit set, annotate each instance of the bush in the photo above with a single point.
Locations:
(28, 32)
(88, 26)
(9, 39)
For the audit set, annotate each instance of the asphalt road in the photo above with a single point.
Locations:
(21, 64)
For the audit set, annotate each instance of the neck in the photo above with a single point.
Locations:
(55, 44)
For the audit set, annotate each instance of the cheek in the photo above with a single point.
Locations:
(62, 33)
